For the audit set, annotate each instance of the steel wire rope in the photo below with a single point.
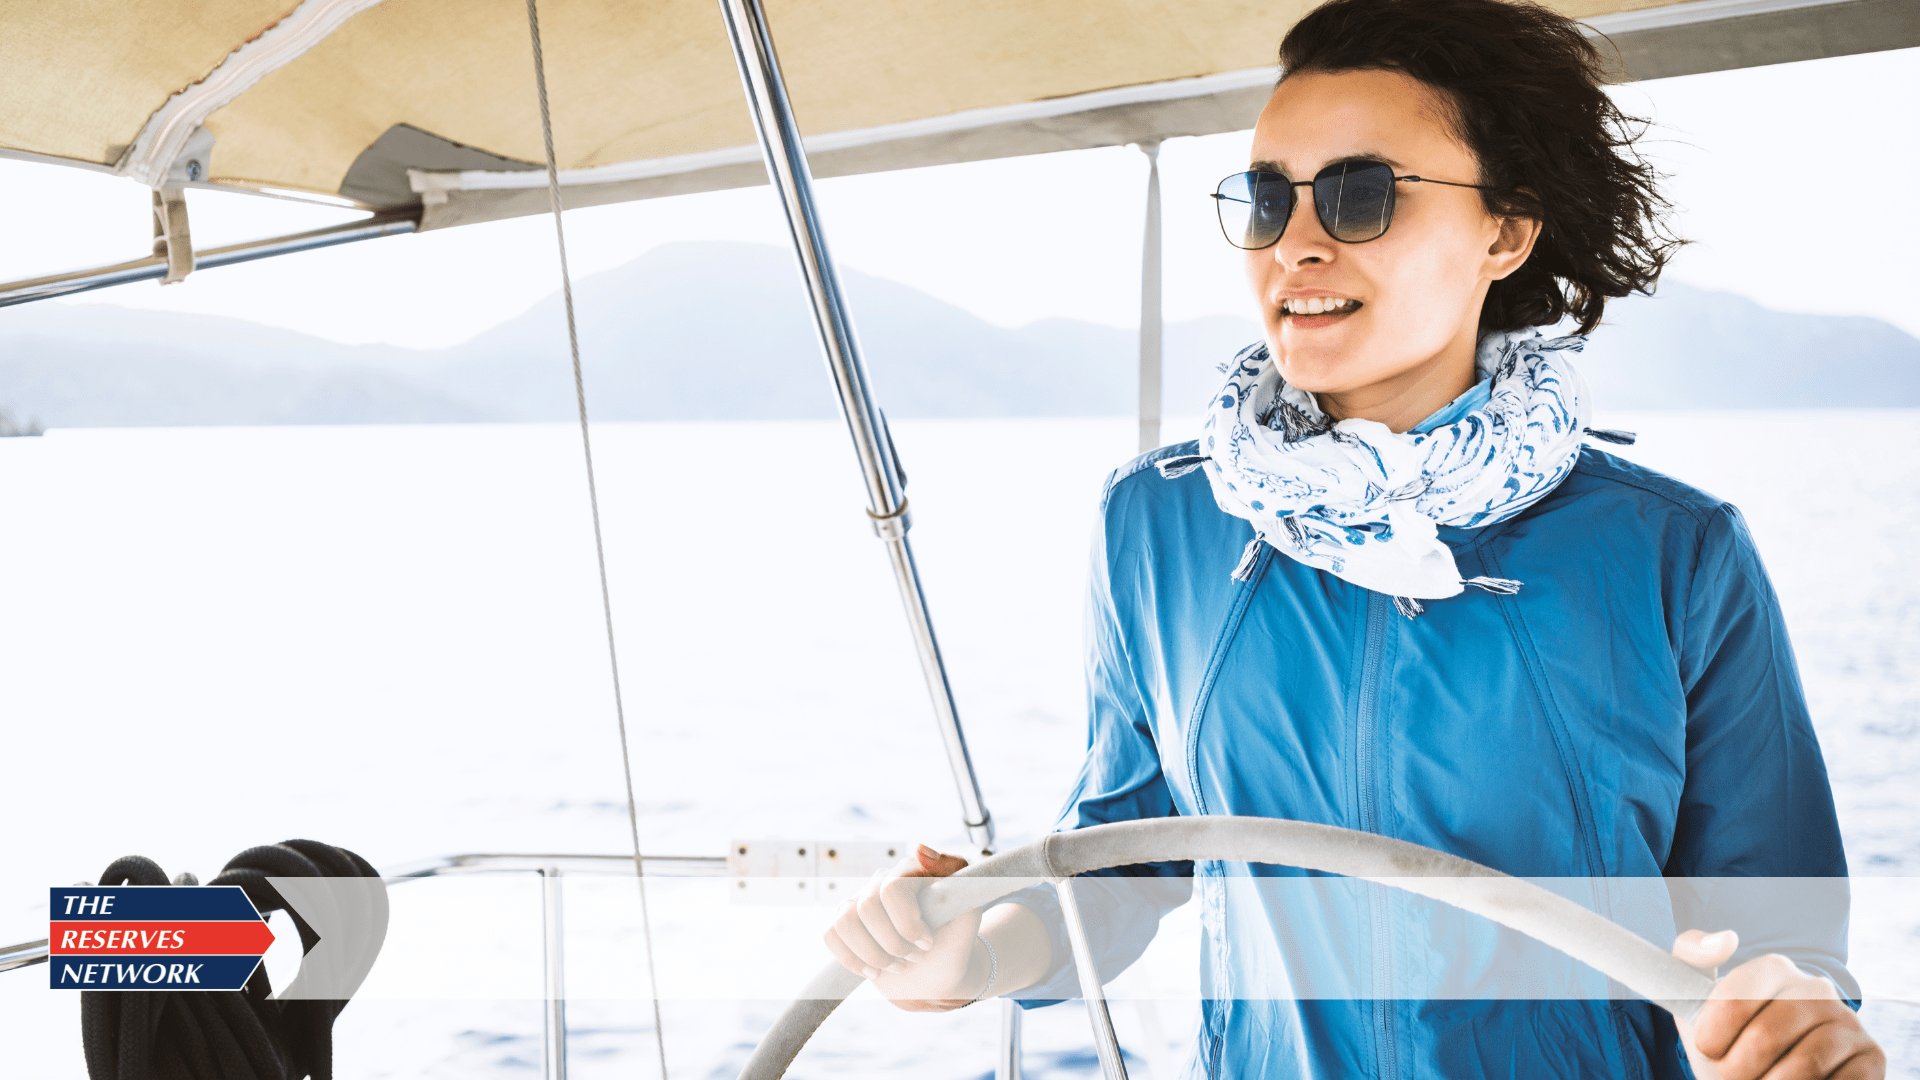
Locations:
(593, 501)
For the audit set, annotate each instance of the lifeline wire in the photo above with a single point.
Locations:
(593, 500)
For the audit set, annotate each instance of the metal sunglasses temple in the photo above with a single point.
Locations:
(1448, 183)
(1398, 180)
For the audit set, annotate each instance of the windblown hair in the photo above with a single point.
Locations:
(1525, 86)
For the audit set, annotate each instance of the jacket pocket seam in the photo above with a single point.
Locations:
(1576, 789)
(1556, 724)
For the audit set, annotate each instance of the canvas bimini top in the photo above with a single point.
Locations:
(423, 105)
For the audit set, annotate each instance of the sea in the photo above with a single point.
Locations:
(391, 639)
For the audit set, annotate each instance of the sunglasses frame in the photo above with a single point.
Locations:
(1293, 199)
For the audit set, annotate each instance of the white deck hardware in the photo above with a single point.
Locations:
(786, 873)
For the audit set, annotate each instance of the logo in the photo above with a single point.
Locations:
(153, 937)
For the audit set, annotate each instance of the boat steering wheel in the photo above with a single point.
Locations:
(1520, 905)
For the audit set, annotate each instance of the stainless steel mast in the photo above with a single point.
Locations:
(886, 491)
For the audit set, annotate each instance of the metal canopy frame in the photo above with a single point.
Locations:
(787, 170)
(1652, 43)
(155, 268)
(792, 180)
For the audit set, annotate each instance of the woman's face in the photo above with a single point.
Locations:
(1419, 287)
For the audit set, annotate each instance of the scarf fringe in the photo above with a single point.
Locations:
(1174, 468)
(1408, 606)
(1248, 560)
(1619, 438)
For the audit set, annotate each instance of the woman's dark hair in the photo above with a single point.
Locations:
(1524, 83)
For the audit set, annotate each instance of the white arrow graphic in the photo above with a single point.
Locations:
(350, 915)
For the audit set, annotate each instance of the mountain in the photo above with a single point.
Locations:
(1689, 348)
(722, 331)
(96, 365)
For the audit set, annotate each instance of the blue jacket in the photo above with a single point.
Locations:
(1634, 711)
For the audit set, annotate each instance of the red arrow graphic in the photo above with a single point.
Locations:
(112, 938)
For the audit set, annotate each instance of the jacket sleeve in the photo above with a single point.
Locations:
(1120, 780)
(1756, 802)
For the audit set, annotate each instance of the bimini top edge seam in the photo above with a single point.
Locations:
(1667, 16)
(165, 134)
(966, 120)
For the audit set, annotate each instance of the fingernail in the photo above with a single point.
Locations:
(914, 958)
(924, 944)
(869, 973)
(1718, 940)
(896, 967)
(925, 850)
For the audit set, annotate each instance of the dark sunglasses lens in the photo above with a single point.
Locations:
(1354, 199)
(1253, 208)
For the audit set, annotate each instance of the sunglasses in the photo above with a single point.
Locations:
(1354, 200)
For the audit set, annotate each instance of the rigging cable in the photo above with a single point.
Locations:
(593, 501)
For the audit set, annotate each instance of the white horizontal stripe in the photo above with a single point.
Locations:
(1701, 11)
(968, 120)
(1670, 15)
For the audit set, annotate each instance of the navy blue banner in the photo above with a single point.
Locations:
(150, 903)
(143, 973)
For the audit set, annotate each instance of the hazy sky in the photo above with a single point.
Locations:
(1755, 157)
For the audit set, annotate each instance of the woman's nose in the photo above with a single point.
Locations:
(1304, 240)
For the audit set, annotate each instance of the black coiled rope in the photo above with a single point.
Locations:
(220, 1035)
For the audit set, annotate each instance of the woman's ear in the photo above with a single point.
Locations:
(1511, 248)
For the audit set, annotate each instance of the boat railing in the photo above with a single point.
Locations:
(551, 867)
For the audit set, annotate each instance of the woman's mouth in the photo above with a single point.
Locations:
(1308, 311)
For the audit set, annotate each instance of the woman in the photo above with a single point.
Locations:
(1390, 589)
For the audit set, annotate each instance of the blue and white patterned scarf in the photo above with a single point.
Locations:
(1361, 502)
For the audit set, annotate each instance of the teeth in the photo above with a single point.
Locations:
(1316, 305)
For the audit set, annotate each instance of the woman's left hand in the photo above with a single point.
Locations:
(1767, 1018)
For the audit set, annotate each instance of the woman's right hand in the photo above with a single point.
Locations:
(881, 937)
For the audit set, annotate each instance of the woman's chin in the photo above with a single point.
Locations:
(1320, 364)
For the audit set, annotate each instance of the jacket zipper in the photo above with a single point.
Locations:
(1224, 641)
(1379, 612)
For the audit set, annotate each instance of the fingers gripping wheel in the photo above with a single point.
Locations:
(1520, 905)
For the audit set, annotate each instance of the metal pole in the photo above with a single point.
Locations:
(1150, 321)
(787, 170)
(1105, 1042)
(556, 1014)
(25, 954)
(1007, 1065)
(154, 267)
